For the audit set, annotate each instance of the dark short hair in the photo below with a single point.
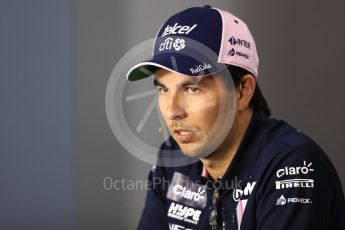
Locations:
(258, 102)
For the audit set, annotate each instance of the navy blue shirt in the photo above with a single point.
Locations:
(278, 179)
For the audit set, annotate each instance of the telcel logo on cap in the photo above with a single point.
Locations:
(177, 29)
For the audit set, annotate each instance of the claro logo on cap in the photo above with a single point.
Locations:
(178, 29)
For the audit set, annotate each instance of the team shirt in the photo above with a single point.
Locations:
(279, 179)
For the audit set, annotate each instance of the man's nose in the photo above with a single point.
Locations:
(175, 109)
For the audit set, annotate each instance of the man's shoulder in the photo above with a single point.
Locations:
(286, 147)
(295, 176)
(283, 138)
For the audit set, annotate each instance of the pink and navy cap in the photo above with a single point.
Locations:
(200, 41)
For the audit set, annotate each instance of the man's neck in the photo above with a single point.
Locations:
(218, 162)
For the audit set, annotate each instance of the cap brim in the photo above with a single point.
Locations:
(183, 65)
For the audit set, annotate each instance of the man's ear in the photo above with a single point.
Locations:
(245, 91)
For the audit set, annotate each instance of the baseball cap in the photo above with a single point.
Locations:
(200, 41)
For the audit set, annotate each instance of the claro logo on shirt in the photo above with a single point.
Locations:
(185, 191)
(189, 194)
(303, 169)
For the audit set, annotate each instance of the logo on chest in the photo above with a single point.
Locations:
(185, 191)
(184, 213)
(241, 193)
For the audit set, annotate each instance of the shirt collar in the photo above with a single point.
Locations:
(249, 150)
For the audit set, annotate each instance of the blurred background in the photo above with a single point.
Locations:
(56, 56)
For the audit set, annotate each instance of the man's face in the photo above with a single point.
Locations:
(194, 109)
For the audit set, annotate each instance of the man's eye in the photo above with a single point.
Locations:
(162, 90)
(193, 90)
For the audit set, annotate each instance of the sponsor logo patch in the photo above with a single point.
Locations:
(248, 189)
(303, 169)
(178, 29)
(295, 183)
(233, 52)
(184, 213)
(177, 227)
(200, 68)
(184, 191)
(282, 200)
(169, 43)
(239, 42)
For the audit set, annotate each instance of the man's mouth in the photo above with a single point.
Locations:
(183, 135)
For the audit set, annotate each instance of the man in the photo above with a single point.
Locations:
(253, 172)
